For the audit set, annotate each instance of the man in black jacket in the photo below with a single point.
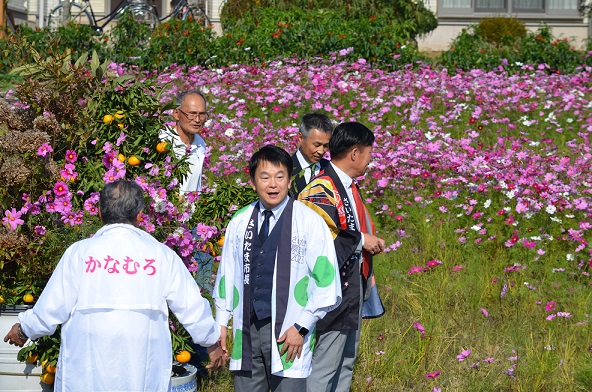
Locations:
(334, 194)
(315, 132)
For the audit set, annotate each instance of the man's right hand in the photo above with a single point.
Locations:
(373, 244)
(216, 356)
(13, 337)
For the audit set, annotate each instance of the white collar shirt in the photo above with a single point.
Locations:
(196, 153)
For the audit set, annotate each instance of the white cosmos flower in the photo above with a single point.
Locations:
(551, 209)
(487, 203)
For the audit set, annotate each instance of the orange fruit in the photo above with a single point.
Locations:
(32, 358)
(133, 160)
(28, 298)
(2, 300)
(47, 378)
(183, 357)
(120, 125)
(163, 147)
(107, 119)
(221, 241)
(119, 115)
(50, 369)
(121, 158)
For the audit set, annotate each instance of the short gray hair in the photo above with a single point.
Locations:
(318, 121)
(120, 202)
(181, 96)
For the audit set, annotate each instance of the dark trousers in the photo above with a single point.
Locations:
(261, 379)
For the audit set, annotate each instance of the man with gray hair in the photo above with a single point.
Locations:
(315, 133)
(112, 294)
(184, 137)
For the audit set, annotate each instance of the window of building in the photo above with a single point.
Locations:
(540, 9)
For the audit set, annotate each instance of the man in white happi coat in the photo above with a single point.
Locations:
(191, 116)
(278, 276)
(111, 294)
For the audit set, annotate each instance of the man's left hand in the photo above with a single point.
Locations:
(293, 342)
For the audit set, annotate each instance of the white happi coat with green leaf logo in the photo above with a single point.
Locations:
(314, 285)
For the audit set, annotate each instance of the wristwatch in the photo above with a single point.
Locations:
(301, 330)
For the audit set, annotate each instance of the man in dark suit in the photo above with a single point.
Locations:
(334, 195)
(315, 131)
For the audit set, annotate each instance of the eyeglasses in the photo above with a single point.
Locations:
(193, 116)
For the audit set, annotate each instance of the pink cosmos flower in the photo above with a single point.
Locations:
(420, 328)
(433, 263)
(416, 269)
(12, 219)
(551, 306)
(44, 150)
(71, 156)
(60, 189)
(463, 355)
(204, 231)
(458, 268)
(485, 312)
(120, 139)
(432, 375)
(68, 173)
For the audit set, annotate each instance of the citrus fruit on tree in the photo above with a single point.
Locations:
(183, 357)
(163, 147)
(50, 369)
(28, 298)
(2, 300)
(119, 114)
(32, 358)
(133, 160)
(120, 126)
(107, 119)
(47, 378)
(221, 241)
(121, 158)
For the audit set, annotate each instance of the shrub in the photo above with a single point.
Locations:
(501, 30)
(316, 33)
(542, 48)
(470, 50)
(413, 15)
(129, 39)
(179, 41)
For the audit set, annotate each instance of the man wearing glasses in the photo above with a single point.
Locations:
(185, 138)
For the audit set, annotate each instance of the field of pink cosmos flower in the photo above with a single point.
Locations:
(481, 184)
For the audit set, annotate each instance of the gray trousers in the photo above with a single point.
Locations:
(333, 359)
(261, 379)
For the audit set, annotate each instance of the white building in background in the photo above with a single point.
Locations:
(453, 15)
(561, 16)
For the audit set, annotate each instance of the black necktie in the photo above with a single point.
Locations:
(264, 232)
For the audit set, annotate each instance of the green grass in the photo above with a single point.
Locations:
(552, 355)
